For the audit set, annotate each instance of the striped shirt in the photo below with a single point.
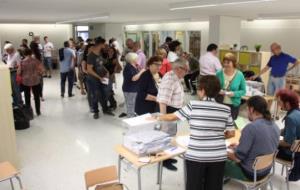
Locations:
(208, 121)
(170, 91)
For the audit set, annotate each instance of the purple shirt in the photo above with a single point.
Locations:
(141, 59)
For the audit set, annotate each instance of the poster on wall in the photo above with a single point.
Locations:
(132, 35)
(195, 43)
(146, 43)
(180, 36)
(155, 42)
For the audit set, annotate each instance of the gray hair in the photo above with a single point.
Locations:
(8, 46)
(131, 57)
(179, 63)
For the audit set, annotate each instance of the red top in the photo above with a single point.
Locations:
(165, 67)
(31, 70)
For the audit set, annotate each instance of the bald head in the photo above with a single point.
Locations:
(276, 48)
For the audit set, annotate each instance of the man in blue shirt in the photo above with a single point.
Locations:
(67, 69)
(279, 64)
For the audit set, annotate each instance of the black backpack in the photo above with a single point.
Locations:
(61, 54)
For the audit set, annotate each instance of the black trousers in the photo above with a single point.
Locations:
(189, 78)
(63, 78)
(284, 153)
(36, 94)
(235, 110)
(98, 94)
(204, 176)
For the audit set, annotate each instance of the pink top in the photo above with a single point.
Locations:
(165, 67)
(31, 70)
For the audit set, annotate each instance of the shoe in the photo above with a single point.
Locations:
(62, 96)
(42, 99)
(38, 114)
(173, 161)
(108, 112)
(49, 76)
(122, 115)
(71, 95)
(169, 166)
(96, 115)
(113, 107)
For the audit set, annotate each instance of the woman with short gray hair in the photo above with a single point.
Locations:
(131, 75)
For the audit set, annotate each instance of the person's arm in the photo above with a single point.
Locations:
(137, 76)
(263, 71)
(242, 89)
(295, 64)
(167, 117)
(163, 108)
(164, 95)
(290, 133)
(84, 67)
(19, 70)
(143, 88)
(229, 130)
(91, 71)
(233, 157)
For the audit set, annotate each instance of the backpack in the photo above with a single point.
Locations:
(61, 54)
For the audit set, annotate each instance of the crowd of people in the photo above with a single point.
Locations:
(154, 84)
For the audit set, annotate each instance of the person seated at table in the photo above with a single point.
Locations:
(148, 87)
(260, 137)
(289, 101)
(210, 123)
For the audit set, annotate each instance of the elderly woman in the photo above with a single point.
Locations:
(210, 123)
(166, 65)
(31, 70)
(131, 75)
(148, 88)
(233, 84)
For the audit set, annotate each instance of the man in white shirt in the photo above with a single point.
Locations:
(209, 62)
(175, 49)
(48, 48)
(13, 62)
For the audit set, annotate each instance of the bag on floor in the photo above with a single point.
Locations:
(21, 120)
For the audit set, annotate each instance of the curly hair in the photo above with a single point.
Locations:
(289, 96)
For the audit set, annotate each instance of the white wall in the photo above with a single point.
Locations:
(264, 32)
(16, 32)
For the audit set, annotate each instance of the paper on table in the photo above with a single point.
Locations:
(174, 150)
(241, 122)
(183, 141)
(140, 120)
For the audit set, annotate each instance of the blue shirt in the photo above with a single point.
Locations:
(258, 138)
(279, 64)
(128, 73)
(292, 126)
(66, 64)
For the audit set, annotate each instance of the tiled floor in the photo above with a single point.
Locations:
(66, 141)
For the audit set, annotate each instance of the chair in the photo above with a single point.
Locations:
(288, 165)
(260, 163)
(8, 172)
(102, 177)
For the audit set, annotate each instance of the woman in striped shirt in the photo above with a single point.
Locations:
(210, 124)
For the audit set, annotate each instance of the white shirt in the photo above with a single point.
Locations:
(209, 64)
(48, 47)
(172, 57)
(13, 60)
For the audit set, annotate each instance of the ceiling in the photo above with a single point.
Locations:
(133, 11)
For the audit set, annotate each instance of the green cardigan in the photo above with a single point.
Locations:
(238, 86)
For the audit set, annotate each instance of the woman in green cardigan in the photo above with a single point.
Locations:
(233, 84)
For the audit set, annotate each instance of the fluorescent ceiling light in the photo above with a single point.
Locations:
(212, 3)
(88, 18)
(160, 21)
(279, 15)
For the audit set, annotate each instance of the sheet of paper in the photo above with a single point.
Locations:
(140, 120)
(174, 150)
(241, 122)
(105, 81)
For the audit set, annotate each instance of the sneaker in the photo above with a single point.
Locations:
(71, 95)
(108, 113)
(96, 115)
(122, 115)
(42, 99)
(62, 96)
(173, 161)
(49, 76)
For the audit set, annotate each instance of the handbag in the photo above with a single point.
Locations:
(220, 98)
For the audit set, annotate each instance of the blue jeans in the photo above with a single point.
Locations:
(275, 84)
(48, 63)
(63, 78)
(98, 92)
(16, 94)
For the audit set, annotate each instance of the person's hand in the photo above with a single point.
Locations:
(152, 118)
(222, 92)
(253, 77)
(143, 70)
(230, 94)
(233, 146)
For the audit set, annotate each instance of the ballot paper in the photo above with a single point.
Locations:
(140, 120)
(174, 151)
(241, 122)
(183, 140)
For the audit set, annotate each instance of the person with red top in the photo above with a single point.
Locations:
(31, 71)
(166, 65)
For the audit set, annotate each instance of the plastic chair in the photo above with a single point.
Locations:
(288, 165)
(8, 172)
(260, 163)
(101, 177)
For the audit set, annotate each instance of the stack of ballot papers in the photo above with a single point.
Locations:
(254, 88)
(144, 143)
